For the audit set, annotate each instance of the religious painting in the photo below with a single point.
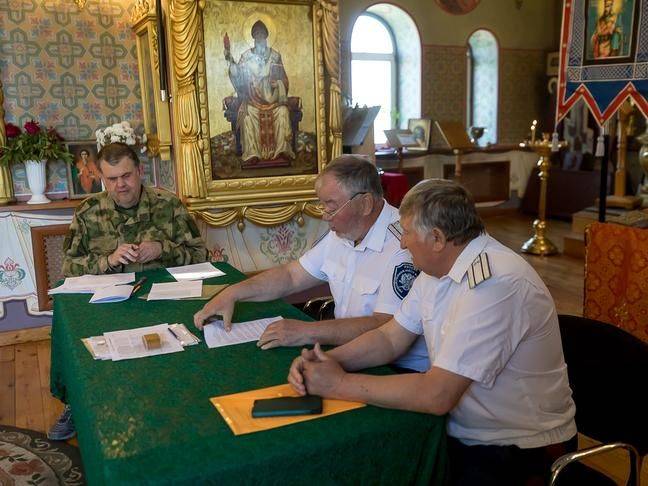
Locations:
(457, 7)
(261, 80)
(83, 174)
(420, 128)
(610, 32)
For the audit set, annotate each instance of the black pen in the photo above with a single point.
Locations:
(175, 335)
(138, 284)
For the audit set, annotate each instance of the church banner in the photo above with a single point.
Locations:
(603, 56)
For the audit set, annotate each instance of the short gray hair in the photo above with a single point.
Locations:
(438, 203)
(355, 175)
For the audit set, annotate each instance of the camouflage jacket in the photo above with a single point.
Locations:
(97, 230)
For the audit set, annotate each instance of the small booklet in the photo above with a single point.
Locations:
(242, 332)
(175, 290)
(114, 293)
(197, 271)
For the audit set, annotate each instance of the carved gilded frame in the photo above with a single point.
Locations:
(157, 124)
(263, 200)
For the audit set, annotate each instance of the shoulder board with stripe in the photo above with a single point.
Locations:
(479, 271)
(396, 229)
(320, 238)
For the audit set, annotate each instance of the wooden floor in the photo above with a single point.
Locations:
(25, 400)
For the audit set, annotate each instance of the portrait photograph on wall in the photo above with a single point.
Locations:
(610, 31)
(420, 128)
(261, 89)
(84, 177)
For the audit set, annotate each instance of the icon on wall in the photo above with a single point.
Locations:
(457, 7)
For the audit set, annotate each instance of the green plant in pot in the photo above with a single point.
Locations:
(34, 147)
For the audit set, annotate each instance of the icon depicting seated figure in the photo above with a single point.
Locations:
(263, 117)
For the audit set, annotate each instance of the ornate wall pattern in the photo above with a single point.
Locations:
(258, 248)
(523, 92)
(75, 70)
(443, 90)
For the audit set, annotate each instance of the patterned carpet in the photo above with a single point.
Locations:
(29, 458)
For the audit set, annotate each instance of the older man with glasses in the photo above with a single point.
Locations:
(361, 259)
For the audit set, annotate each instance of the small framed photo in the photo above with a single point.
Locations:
(420, 128)
(83, 173)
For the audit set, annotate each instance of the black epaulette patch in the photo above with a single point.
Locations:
(479, 271)
(396, 229)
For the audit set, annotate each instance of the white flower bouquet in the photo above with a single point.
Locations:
(120, 132)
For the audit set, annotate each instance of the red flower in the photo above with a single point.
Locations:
(26, 468)
(11, 130)
(32, 127)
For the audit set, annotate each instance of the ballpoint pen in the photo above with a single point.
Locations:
(138, 284)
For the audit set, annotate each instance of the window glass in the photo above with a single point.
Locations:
(484, 64)
(372, 86)
(371, 36)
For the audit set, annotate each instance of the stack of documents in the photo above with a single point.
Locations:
(175, 290)
(197, 271)
(89, 284)
(128, 344)
(242, 332)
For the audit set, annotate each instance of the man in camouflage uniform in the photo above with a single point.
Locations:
(126, 228)
(129, 227)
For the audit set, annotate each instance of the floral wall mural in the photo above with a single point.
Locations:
(71, 69)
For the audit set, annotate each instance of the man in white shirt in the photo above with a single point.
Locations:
(490, 324)
(361, 259)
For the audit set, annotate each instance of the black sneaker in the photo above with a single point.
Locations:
(63, 429)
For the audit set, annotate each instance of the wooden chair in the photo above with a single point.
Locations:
(47, 244)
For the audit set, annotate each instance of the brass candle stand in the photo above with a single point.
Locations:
(539, 244)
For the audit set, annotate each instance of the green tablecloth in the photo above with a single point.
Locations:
(150, 420)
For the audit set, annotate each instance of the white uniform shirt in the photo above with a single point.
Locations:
(373, 276)
(503, 334)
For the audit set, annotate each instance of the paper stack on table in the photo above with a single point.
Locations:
(197, 271)
(175, 290)
(242, 332)
(88, 284)
(128, 344)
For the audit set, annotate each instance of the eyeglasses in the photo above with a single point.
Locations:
(333, 214)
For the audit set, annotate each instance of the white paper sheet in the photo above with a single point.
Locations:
(114, 293)
(88, 284)
(175, 290)
(197, 271)
(98, 347)
(128, 344)
(242, 332)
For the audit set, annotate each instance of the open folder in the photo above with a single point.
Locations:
(236, 409)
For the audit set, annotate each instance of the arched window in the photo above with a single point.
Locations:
(374, 71)
(483, 82)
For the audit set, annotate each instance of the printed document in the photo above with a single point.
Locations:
(197, 271)
(129, 344)
(89, 284)
(114, 293)
(242, 332)
(175, 290)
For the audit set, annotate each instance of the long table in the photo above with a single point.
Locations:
(150, 421)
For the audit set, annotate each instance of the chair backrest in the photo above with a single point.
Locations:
(607, 369)
(47, 244)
